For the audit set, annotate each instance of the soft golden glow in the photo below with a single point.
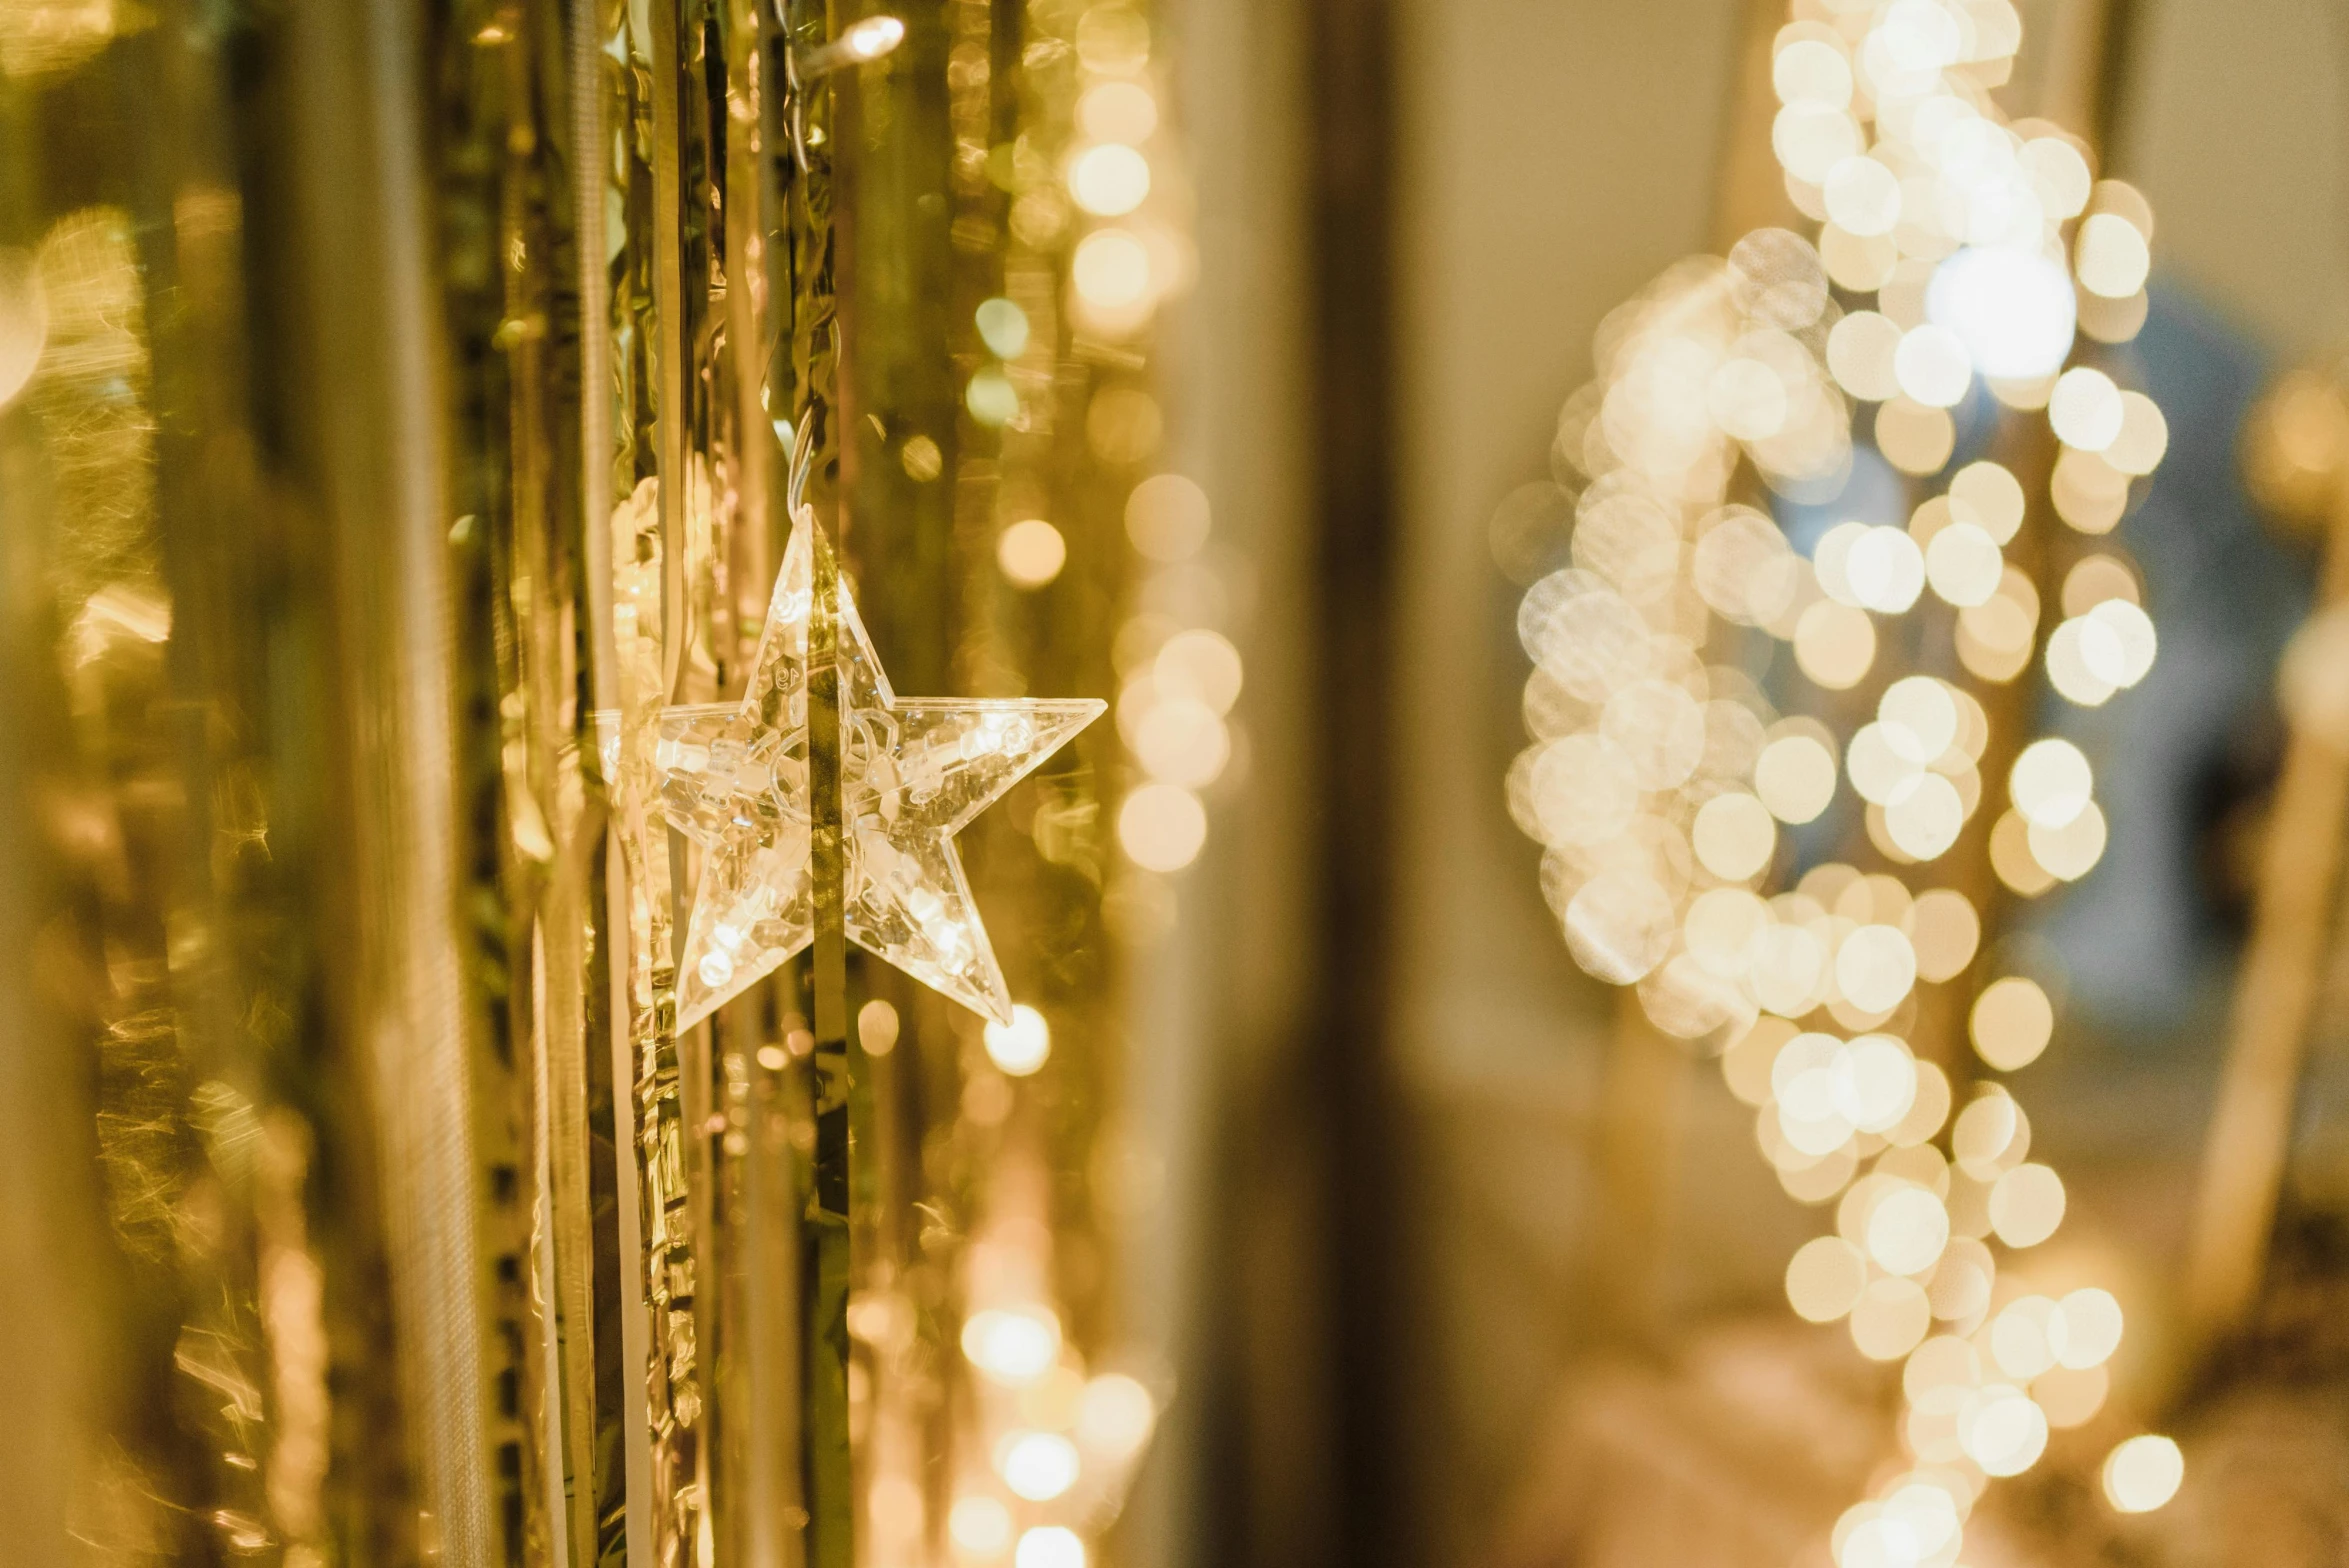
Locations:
(1795, 776)
(2092, 1327)
(2310, 686)
(2059, 173)
(2026, 1205)
(2025, 1337)
(1038, 1466)
(2143, 1473)
(1863, 197)
(1113, 40)
(2011, 858)
(1964, 566)
(1861, 263)
(2070, 852)
(1118, 112)
(2111, 256)
(1834, 644)
(1945, 930)
(2050, 783)
(1994, 639)
(1988, 496)
(1918, 717)
(1016, 1346)
(1875, 968)
(1890, 1318)
(876, 1027)
(1810, 71)
(1884, 570)
(1124, 425)
(2086, 409)
(1109, 180)
(873, 37)
(1003, 327)
(2143, 438)
(1734, 836)
(991, 398)
(2071, 1397)
(1825, 1277)
(1907, 1231)
(1914, 437)
(1167, 518)
(2011, 1023)
(2002, 1430)
(1924, 815)
(1202, 665)
(1620, 925)
(1932, 366)
(2078, 653)
(1162, 827)
(1991, 1135)
(2089, 493)
(1659, 728)
(1031, 553)
(1811, 138)
(1049, 1546)
(1178, 739)
(1861, 350)
(979, 1526)
(921, 459)
(1112, 269)
(2114, 320)
(1021, 1046)
(1115, 1415)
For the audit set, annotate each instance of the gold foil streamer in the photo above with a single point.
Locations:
(372, 538)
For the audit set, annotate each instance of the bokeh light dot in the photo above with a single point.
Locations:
(2012, 1022)
(1795, 778)
(2027, 1205)
(1734, 836)
(1890, 1318)
(1109, 180)
(1111, 269)
(2143, 1473)
(1031, 552)
(1834, 644)
(2111, 256)
(1167, 518)
(1825, 1278)
(1021, 1046)
(1049, 1546)
(1162, 827)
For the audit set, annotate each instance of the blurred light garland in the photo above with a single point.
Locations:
(1067, 163)
(1959, 260)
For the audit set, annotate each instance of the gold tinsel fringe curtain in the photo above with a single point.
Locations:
(396, 409)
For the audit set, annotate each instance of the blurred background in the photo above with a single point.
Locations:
(1410, 1240)
(1427, 1337)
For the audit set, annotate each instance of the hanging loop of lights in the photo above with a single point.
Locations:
(1891, 444)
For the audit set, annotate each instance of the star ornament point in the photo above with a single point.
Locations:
(913, 772)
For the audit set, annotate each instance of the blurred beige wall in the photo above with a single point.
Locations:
(1555, 157)
(2233, 124)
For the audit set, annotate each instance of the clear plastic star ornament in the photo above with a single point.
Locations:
(734, 778)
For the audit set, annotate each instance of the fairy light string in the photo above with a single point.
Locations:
(1873, 374)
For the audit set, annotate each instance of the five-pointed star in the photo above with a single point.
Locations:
(912, 772)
